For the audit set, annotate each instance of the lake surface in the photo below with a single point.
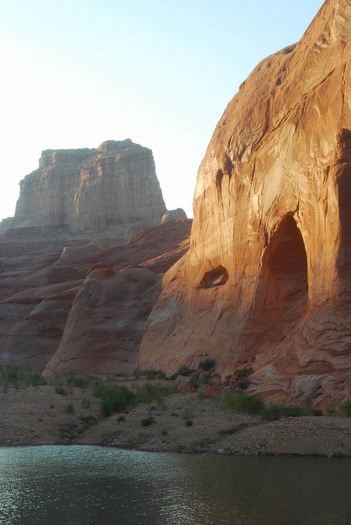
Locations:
(79, 485)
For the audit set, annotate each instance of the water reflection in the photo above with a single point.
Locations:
(90, 485)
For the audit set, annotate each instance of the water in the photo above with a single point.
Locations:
(90, 485)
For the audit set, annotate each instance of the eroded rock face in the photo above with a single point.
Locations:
(267, 280)
(82, 306)
(82, 190)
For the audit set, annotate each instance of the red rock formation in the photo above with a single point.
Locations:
(90, 303)
(267, 280)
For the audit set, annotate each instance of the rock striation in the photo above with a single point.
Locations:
(267, 279)
(91, 190)
(82, 306)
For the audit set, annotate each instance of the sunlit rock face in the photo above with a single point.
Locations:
(267, 280)
(83, 190)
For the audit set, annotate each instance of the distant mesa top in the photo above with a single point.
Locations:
(91, 190)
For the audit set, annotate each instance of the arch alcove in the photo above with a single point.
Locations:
(286, 287)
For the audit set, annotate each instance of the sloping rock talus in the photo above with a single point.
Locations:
(81, 190)
(267, 280)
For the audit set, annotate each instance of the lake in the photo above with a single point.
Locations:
(78, 485)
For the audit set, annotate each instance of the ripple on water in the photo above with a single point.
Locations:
(79, 485)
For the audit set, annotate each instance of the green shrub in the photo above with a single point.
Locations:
(200, 381)
(297, 411)
(185, 371)
(207, 364)
(69, 408)
(244, 372)
(59, 389)
(77, 381)
(188, 422)
(331, 410)
(272, 412)
(86, 403)
(201, 395)
(11, 376)
(147, 421)
(242, 403)
(345, 407)
(194, 382)
(114, 398)
(87, 421)
(153, 393)
(37, 380)
(150, 374)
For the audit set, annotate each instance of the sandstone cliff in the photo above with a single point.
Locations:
(83, 306)
(267, 280)
(84, 190)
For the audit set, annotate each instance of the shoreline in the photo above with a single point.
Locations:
(181, 424)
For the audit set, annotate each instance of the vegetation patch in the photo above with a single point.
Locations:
(242, 403)
(150, 374)
(60, 389)
(345, 408)
(69, 408)
(153, 393)
(207, 364)
(114, 397)
(147, 421)
(243, 372)
(184, 371)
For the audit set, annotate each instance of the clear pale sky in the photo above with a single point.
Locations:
(160, 72)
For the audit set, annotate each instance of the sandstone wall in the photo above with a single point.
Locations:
(266, 282)
(91, 189)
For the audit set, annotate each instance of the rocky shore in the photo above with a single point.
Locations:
(179, 423)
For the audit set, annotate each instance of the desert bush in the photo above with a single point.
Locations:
(60, 389)
(201, 395)
(69, 408)
(273, 412)
(242, 403)
(150, 374)
(197, 382)
(188, 410)
(331, 410)
(86, 403)
(153, 393)
(345, 407)
(243, 372)
(185, 371)
(79, 381)
(87, 421)
(207, 364)
(188, 422)
(114, 398)
(11, 377)
(147, 421)
(37, 380)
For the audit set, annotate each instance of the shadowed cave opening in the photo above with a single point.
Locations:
(215, 277)
(287, 280)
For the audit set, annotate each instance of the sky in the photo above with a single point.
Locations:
(75, 73)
